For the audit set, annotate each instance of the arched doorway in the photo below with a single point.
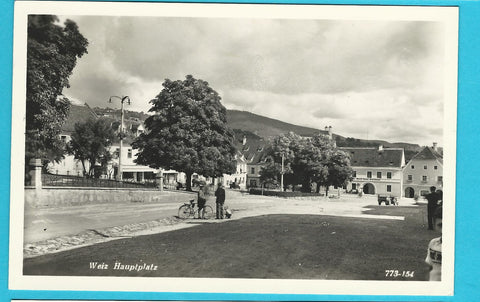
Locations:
(369, 189)
(409, 192)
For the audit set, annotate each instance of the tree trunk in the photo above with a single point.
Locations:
(84, 169)
(326, 190)
(318, 188)
(189, 181)
(306, 185)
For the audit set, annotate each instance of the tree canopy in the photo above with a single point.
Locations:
(188, 131)
(52, 53)
(306, 161)
(90, 142)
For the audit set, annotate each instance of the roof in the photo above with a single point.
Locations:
(77, 114)
(429, 153)
(373, 157)
(253, 150)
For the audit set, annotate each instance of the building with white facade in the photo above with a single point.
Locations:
(376, 170)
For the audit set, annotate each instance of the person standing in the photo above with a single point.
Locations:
(432, 199)
(201, 201)
(220, 200)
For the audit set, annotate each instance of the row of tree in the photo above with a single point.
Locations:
(308, 161)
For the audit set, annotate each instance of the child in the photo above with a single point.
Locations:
(434, 253)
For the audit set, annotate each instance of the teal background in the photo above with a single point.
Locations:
(467, 243)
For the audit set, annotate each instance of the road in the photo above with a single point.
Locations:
(86, 223)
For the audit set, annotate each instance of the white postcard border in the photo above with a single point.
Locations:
(17, 281)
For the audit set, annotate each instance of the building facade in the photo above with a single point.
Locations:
(376, 170)
(423, 171)
(238, 179)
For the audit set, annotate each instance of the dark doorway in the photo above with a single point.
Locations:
(368, 189)
(409, 192)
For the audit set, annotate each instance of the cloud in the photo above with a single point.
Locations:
(361, 77)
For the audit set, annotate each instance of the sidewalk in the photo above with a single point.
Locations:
(116, 221)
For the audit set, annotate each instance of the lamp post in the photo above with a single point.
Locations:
(281, 174)
(122, 101)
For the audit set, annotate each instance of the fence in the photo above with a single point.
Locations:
(55, 180)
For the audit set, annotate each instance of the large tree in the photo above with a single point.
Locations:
(188, 131)
(334, 169)
(52, 53)
(90, 142)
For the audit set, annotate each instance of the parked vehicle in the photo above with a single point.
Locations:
(388, 200)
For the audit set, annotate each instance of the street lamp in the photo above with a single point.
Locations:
(281, 174)
(122, 100)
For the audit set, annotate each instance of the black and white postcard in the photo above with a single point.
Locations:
(233, 148)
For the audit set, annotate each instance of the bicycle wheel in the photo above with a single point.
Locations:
(184, 211)
(208, 212)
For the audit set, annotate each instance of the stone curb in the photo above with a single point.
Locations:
(92, 237)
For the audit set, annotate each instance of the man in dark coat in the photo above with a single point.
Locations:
(432, 199)
(220, 200)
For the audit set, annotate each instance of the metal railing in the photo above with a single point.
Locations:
(56, 180)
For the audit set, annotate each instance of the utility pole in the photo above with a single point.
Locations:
(281, 174)
(122, 100)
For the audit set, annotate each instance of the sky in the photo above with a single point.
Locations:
(366, 79)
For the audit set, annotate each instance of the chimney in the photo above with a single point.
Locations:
(434, 146)
(329, 131)
(244, 141)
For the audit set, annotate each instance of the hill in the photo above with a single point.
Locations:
(256, 127)
(264, 126)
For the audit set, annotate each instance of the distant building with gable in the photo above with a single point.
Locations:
(424, 170)
(254, 153)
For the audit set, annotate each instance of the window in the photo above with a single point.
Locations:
(425, 167)
(389, 174)
(440, 178)
(129, 154)
(379, 174)
(413, 167)
(64, 138)
(354, 186)
(389, 188)
(424, 178)
(369, 174)
(435, 167)
(410, 177)
(253, 171)
(354, 174)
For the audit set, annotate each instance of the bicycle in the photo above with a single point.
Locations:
(189, 210)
